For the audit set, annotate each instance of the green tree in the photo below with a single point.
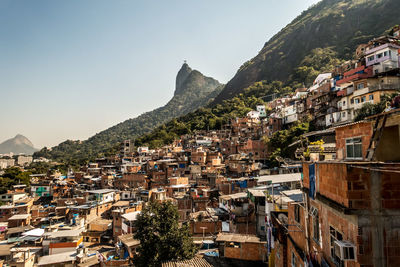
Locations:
(161, 238)
(369, 109)
(13, 176)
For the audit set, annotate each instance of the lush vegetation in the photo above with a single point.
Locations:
(193, 91)
(13, 176)
(319, 60)
(369, 109)
(211, 118)
(330, 30)
(279, 143)
(161, 237)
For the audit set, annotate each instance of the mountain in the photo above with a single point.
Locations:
(193, 90)
(329, 30)
(17, 145)
(316, 41)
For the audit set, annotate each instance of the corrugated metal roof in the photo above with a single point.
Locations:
(234, 196)
(257, 192)
(129, 240)
(195, 262)
(238, 238)
(57, 258)
(280, 178)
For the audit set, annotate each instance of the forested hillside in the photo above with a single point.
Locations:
(193, 90)
(330, 30)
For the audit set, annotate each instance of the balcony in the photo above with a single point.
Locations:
(377, 60)
(362, 91)
(385, 86)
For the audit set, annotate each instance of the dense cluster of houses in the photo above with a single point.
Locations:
(335, 97)
(337, 205)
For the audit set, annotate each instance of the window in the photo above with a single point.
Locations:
(360, 86)
(335, 236)
(363, 99)
(344, 102)
(353, 148)
(297, 213)
(385, 54)
(371, 97)
(352, 101)
(371, 58)
(294, 261)
(357, 100)
(315, 223)
(379, 55)
(233, 244)
(345, 250)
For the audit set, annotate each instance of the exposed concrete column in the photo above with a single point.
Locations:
(378, 242)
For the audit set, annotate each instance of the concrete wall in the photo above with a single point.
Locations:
(389, 144)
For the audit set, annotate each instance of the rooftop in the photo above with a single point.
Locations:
(57, 258)
(19, 217)
(128, 240)
(280, 178)
(195, 262)
(101, 191)
(131, 216)
(64, 233)
(238, 238)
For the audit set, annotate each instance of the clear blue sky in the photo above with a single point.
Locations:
(69, 69)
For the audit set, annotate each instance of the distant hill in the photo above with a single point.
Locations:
(329, 30)
(17, 145)
(192, 91)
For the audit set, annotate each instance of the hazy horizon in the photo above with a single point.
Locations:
(70, 69)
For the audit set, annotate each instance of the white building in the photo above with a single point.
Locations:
(12, 197)
(253, 114)
(261, 110)
(128, 220)
(62, 241)
(383, 58)
(6, 163)
(101, 196)
(289, 114)
(24, 160)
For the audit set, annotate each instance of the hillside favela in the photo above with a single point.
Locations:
(118, 148)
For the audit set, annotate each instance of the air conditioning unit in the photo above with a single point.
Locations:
(345, 250)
